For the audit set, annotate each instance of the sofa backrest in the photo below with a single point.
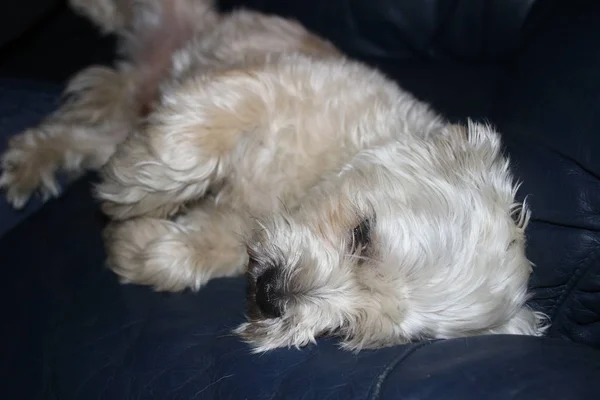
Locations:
(16, 17)
(474, 30)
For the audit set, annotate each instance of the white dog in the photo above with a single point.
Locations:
(242, 142)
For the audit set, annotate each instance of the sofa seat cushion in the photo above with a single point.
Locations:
(76, 333)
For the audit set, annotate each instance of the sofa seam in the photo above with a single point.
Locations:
(522, 135)
(381, 378)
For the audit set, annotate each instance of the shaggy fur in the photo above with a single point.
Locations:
(242, 142)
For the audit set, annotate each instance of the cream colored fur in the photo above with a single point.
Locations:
(243, 142)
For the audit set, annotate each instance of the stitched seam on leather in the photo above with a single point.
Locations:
(572, 159)
(534, 140)
(521, 134)
(376, 389)
(418, 49)
(48, 368)
(446, 22)
(573, 282)
(565, 225)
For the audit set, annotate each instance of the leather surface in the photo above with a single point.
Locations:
(549, 112)
(71, 332)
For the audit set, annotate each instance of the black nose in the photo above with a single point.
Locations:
(267, 295)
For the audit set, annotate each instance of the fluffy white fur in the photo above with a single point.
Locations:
(243, 142)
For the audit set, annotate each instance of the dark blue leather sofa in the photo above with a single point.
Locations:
(70, 331)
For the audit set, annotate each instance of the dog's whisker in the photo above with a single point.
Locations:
(362, 258)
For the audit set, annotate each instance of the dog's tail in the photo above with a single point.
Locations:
(109, 15)
(151, 31)
(127, 17)
(159, 28)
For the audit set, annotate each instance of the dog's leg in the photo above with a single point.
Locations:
(168, 255)
(110, 15)
(121, 16)
(185, 148)
(81, 134)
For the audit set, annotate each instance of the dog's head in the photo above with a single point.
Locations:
(410, 240)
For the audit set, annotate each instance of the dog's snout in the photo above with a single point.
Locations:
(268, 297)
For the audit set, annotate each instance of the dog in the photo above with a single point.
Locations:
(242, 143)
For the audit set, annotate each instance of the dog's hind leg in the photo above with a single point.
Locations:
(175, 255)
(110, 15)
(186, 147)
(82, 134)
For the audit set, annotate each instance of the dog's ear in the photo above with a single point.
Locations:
(456, 131)
(483, 136)
(474, 136)
(477, 148)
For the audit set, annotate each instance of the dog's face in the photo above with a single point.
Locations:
(409, 240)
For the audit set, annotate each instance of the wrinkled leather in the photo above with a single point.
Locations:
(549, 113)
(72, 332)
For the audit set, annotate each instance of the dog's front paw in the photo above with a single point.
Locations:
(149, 251)
(171, 256)
(27, 168)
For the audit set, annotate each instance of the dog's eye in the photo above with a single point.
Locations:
(361, 235)
(253, 263)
